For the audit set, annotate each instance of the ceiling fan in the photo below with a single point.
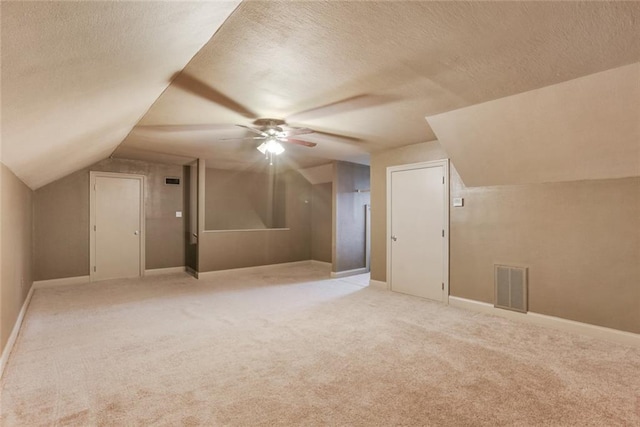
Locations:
(271, 132)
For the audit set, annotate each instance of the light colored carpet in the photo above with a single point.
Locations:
(293, 347)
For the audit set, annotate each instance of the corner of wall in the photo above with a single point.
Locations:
(16, 250)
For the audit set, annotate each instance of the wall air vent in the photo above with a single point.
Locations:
(511, 288)
(171, 180)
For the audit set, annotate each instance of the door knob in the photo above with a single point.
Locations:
(394, 238)
(136, 232)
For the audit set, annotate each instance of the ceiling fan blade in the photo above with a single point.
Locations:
(352, 103)
(298, 131)
(242, 139)
(299, 142)
(203, 90)
(254, 130)
(337, 136)
(184, 128)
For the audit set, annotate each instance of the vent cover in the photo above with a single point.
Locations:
(171, 180)
(511, 288)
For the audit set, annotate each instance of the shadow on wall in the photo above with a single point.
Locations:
(349, 216)
(321, 211)
(16, 204)
(241, 200)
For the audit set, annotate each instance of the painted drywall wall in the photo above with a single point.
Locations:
(61, 219)
(1, 253)
(318, 174)
(221, 250)
(414, 153)
(580, 241)
(1, 217)
(349, 232)
(241, 200)
(321, 212)
(17, 249)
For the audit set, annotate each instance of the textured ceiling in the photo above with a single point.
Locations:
(587, 128)
(395, 63)
(76, 77)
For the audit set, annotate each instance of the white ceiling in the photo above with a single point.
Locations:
(91, 70)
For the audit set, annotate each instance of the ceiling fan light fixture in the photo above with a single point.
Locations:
(271, 146)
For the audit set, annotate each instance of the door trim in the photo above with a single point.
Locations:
(92, 216)
(445, 242)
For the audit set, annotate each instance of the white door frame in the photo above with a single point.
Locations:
(92, 217)
(445, 241)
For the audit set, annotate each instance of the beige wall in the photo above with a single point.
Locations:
(349, 233)
(379, 162)
(242, 200)
(17, 249)
(1, 254)
(321, 207)
(580, 240)
(221, 250)
(61, 219)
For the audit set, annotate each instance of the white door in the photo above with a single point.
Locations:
(117, 226)
(417, 228)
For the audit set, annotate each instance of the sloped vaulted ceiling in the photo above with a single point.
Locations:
(77, 76)
(411, 59)
(586, 128)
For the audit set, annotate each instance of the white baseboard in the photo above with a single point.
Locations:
(15, 331)
(377, 284)
(168, 270)
(61, 282)
(594, 331)
(347, 273)
(255, 269)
